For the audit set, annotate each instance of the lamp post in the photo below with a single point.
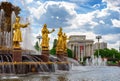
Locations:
(98, 37)
(39, 37)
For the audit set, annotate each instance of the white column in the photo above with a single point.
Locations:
(82, 56)
(92, 49)
(79, 52)
(76, 51)
(73, 50)
(84, 49)
(71, 46)
(89, 49)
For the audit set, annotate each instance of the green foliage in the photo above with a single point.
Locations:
(54, 43)
(108, 53)
(53, 51)
(36, 46)
(112, 62)
(69, 52)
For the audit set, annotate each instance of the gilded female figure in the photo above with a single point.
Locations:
(45, 38)
(65, 43)
(60, 41)
(17, 35)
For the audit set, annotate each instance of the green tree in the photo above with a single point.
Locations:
(36, 46)
(54, 43)
(69, 52)
(108, 53)
(53, 50)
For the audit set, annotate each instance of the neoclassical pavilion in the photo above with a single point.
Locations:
(80, 46)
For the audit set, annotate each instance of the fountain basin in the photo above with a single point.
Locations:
(24, 62)
(77, 73)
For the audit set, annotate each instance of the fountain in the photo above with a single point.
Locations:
(96, 61)
(18, 64)
(17, 60)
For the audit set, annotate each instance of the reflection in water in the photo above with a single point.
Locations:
(78, 73)
(11, 80)
(62, 78)
(45, 78)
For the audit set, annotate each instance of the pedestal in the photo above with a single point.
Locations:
(17, 49)
(60, 52)
(64, 66)
(45, 52)
(45, 55)
(65, 54)
(60, 55)
(17, 56)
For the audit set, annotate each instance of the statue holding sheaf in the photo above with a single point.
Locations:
(45, 38)
(62, 42)
(60, 46)
(65, 43)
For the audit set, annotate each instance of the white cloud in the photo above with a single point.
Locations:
(89, 35)
(113, 5)
(70, 7)
(115, 22)
(116, 45)
(78, 20)
(37, 12)
(82, 19)
(102, 13)
(28, 1)
(39, 3)
(96, 6)
(112, 40)
(111, 37)
(67, 5)
(101, 22)
(80, 1)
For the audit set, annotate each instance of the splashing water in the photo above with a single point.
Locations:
(96, 61)
(27, 37)
(13, 18)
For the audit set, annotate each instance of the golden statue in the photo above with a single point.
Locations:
(60, 46)
(17, 35)
(45, 38)
(65, 43)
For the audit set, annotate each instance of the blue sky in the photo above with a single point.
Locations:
(79, 17)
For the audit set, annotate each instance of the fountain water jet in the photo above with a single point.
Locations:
(27, 39)
(96, 61)
(13, 17)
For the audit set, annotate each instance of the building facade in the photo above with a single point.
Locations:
(100, 45)
(80, 46)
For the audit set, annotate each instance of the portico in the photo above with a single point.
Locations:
(80, 46)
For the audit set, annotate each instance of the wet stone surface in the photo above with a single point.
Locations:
(77, 73)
